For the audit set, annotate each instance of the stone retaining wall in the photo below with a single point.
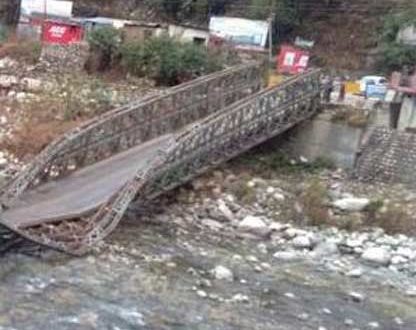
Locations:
(64, 57)
(388, 156)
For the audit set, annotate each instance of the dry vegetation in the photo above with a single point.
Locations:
(21, 50)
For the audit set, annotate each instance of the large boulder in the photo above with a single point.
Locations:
(254, 225)
(377, 255)
(352, 204)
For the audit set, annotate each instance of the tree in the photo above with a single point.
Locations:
(396, 55)
(12, 12)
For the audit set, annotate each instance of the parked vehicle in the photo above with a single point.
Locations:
(372, 80)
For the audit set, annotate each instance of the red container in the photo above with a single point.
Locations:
(61, 33)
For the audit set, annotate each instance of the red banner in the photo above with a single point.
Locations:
(292, 60)
(61, 33)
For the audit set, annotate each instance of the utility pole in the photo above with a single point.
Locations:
(270, 20)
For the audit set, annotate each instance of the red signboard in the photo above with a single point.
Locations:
(292, 60)
(61, 33)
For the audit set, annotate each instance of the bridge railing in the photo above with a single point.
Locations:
(135, 123)
(210, 142)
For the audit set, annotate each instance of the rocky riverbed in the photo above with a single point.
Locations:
(230, 251)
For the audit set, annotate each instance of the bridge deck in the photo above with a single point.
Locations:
(83, 190)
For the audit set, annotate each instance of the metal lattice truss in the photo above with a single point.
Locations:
(230, 115)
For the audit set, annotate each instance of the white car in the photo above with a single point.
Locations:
(372, 80)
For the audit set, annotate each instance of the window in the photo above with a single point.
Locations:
(199, 41)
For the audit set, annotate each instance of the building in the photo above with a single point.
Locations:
(407, 35)
(140, 31)
(188, 33)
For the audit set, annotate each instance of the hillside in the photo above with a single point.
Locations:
(346, 32)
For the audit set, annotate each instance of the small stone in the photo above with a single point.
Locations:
(287, 255)
(265, 266)
(290, 295)
(357, 297)
(202, 294)
(396, 260)
(224, 209)
(377, 255)
(276, 226)
(349, 322)
(223, 273)
(326, 248)
(303, 316)
(327, 311)
(252, 258)
(262, 248)
(270, 190)
(258, 269)
(240, 298)
(356, 273)
(251, 184)
(279, 196)
(398, 321)
(302, 242)
(411, 292)
(254, 225)
(374, 325)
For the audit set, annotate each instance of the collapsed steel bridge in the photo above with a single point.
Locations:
(75, 192)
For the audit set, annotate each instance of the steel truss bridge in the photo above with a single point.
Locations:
(75, 192)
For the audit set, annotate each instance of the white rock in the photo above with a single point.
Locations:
(356, 296)
(357, 272)
(214, 225)
(270, 190)
(276, 226)
(302, 242)
(7, 62)
(406, 252)
(251, 184)
(326, 248)
(396, 260)
(3, 161)
(287, 255)
(411, 292)
(32, 85)
(374, 325)
(240, 298)
(254, 224)
(223, 273)
(202, 294)
(292, 232)
(377, 255)
(352, 204)
(279, 196)
(224, 209)
(290, 295)
(349, 322)
(354, 243)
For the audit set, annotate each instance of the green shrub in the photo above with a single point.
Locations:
(167, 61)
(105, 44)
(314, 200)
